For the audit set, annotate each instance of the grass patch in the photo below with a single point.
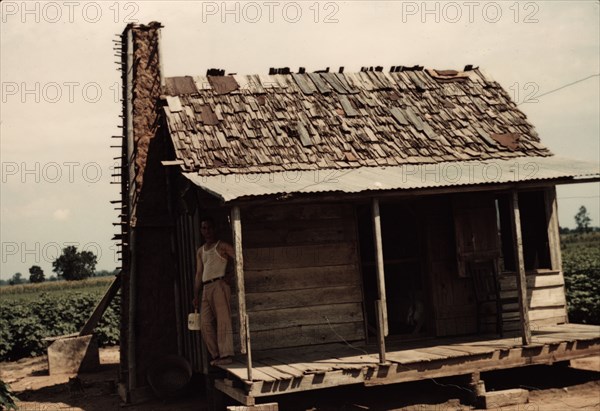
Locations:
(29, 292)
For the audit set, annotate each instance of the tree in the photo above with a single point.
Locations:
(36, 274)
(583, 220)
(17, 278)
(106, 273)
(564, 230)
(75, 265)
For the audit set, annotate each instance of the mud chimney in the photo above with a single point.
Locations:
(147, 306)
(142, 84)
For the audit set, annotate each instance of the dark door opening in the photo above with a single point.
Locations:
(405, 288)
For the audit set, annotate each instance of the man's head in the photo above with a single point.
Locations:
(207, 229)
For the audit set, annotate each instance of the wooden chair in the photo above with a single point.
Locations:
(485, 283)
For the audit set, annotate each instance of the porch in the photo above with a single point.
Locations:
(281, 371)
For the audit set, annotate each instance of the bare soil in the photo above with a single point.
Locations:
(575, 387)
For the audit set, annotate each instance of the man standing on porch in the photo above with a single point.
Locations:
(211, 264)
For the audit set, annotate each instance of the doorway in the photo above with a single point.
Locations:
(404, 281)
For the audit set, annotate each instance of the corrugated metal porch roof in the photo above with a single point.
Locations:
(410, 176)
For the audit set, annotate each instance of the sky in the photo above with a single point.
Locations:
(60, 87)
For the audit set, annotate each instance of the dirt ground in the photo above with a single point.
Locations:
(551, 388)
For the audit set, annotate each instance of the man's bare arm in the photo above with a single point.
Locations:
(227, 249)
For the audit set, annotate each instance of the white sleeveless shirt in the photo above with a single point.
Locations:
(214, 263)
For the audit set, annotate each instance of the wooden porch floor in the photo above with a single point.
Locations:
(282, 371)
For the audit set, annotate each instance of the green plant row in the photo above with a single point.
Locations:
(24, 324)
(581, 266)
(48, 286)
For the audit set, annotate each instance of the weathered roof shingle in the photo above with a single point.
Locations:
(273, 123)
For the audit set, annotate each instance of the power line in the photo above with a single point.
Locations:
(564, 198)
(562, 87)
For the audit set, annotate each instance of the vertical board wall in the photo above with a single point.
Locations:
(302, 277)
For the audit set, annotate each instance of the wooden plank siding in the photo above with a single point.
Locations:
(187, 240)
(545, 298)
(452, 296)
(302, 278)
(477, 253)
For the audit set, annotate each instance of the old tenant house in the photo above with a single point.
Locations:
(389, 226)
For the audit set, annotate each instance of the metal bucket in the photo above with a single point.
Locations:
(194, 321)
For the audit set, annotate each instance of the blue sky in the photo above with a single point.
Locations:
(60, 87)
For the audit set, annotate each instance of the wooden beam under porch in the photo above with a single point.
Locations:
(284, 371)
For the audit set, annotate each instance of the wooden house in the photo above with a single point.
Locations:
(389, 226)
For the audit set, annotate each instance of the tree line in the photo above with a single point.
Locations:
(583, 223)
(71, 265)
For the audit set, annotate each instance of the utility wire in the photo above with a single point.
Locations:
(562, 87)
(564, 198)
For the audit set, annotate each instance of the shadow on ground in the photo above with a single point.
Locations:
(97, 392)
(439, 394)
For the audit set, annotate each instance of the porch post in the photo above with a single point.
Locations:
(382, 321)
(553, 228)
(515, 218)
(249, 349)
(554, 237)
(239, 274)
(380, 336)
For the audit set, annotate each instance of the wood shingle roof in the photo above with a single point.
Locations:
(272, 123)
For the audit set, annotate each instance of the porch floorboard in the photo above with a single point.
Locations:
(296, 369)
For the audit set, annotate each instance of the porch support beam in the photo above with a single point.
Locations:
(553, 228)
(382, 321)
(248, 349)
(554, 236)
(380, 336)
(236, 226)
(515, 217)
